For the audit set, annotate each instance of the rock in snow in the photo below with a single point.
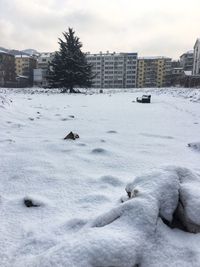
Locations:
(195, 145)
(72, 136)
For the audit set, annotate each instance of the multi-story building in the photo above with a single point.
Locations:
(40, 74)
(7, 69)
(186, 60)
(196, 64)
(153, 72)
(113, 70)
(24, 66)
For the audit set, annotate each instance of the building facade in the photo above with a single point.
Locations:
(113, 70)
(41, 72)
(154, 72)
(186, 60)
(7, 69)
(24, 66)
(196, 64)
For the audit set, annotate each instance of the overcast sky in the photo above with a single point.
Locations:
(149, 27)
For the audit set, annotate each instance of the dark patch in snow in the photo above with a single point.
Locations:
(31, 119)
(71, 136)
(111, 180)
(112, 132)
(195, 146)
(157, 136)
(29, 203)
(99, 150)
(7, 140)
(74, 224)
(81, 144)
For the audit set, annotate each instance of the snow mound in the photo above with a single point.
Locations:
(195, 145)
(128, 235)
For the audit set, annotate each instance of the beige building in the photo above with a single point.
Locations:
(24, 66)
(153, 72)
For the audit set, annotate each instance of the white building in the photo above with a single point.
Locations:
(114, 70)
(44, 59)
(196, 64)
(186, 60)
(40, 74)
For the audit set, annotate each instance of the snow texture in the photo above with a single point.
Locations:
(81, 214)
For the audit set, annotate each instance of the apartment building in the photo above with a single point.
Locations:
(40, 74)
(153, 72)
(7, 69)
(24, 65)
(196, 64)
(186, 60)
(113, 70)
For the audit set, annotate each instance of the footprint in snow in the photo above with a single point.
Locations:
(111, 180)
(97, 199)
(81, 144)
(112, 132)
(73, 224)
(99, 151)
(157, 136)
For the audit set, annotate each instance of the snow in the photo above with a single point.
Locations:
(82, 215)
(195, 145)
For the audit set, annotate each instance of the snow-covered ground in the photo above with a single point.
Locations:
(78, 185)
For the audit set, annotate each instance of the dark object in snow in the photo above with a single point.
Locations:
(101, 91)
(72, 136)
(29, 203)
(144, 99)
(195, 146)
(71, 116)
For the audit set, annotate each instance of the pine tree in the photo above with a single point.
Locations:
(69, 68)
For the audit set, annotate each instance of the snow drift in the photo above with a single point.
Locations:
(125, 235)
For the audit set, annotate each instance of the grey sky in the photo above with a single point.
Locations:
(149, 27)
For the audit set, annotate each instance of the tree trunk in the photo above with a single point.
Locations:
(71, 90)
(64, 90)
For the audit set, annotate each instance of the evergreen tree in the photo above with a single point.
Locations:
(69, 68)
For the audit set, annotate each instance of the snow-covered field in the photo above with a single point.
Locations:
(78, 186)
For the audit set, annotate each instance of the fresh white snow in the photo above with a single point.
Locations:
(79, 186)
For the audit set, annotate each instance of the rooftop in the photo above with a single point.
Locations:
(23, 56)
(154, 57)
(110, 54)
(3, 52)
